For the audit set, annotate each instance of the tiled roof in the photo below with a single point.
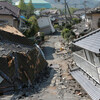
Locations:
(93, 10)
(11, 30)
(90, 41)
(7, 8)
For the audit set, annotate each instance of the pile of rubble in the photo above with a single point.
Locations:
(20, 62)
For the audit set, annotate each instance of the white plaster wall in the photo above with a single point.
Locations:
(95, 18)
(43, 22)
(88, 21)
(7, 18)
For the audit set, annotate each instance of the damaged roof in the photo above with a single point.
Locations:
(11, 30)
(7, 8)
(93, 10)
(50, 11)
(90, 41)
(12, 40)
(8, 47)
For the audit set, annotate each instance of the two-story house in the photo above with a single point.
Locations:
(9, 13)
(93, 18)
(87, 59)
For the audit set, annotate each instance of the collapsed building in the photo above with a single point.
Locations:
(20, 61)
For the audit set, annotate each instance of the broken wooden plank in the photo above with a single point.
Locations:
(5, 76)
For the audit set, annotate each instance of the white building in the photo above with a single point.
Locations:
(87, 59)
(45, 25)
(93, 18)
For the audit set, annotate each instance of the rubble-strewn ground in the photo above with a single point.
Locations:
(57, 83)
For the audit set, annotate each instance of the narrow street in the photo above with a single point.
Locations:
(57, 84)
(60, 85)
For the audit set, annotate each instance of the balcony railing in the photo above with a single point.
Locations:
(87, 66)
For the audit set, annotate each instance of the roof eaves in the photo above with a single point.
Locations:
(91, 33)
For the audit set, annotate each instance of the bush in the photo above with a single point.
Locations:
(76, 20)
(32, 23)
(60, 27)
(69, 26)
(67, 34)
(56, 26)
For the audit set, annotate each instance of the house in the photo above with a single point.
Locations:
(9, 13)
(20, 60)
(45, 25)
(38, 4)
(93, 18)
(11, 29)
(50, 12)
(87, 63)
(81, 13)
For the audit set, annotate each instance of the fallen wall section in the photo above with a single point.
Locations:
(20, 68)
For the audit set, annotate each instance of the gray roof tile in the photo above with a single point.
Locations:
(9, 9)
(90, 42)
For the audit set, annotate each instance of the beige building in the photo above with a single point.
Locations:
(9, 13)
(10, 20)
(93, 18)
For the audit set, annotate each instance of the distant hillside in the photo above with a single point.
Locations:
(79, 3)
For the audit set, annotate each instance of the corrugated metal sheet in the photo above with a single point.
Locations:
(90, 42)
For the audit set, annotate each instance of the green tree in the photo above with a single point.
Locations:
(22, 5)
(32, 22)
(72, 10)
(76, 20)
(67, 34)
(30, 9)
(42, 9)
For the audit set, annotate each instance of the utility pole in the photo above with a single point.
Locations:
(66, 7)
(65, 13)
(69, 12)
(85, 1)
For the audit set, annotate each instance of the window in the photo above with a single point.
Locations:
(99, 22)
(91, 57)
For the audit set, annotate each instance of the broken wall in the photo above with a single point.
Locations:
(20, 68)
(20, 62)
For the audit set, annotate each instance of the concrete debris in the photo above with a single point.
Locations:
(55, 83)
(20, 62)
